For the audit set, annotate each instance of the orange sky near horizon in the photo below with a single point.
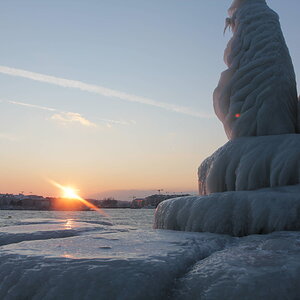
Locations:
(176, 176)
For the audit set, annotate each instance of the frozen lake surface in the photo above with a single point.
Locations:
(83, 255)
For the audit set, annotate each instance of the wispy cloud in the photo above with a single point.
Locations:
(70, 117)
(101, 91)
(60, 116)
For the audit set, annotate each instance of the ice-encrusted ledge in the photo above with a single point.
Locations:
(236, 213)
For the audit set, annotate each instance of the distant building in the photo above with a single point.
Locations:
(31, 202)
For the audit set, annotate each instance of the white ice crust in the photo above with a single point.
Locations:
(257, 94)
(104, 263)
(251, 163)
(110, 263)
(236, 213)
(259, 267)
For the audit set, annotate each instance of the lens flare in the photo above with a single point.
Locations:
(71, 194)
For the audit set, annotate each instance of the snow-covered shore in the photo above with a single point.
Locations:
(103, 260)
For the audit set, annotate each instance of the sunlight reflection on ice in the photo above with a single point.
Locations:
(69, 224)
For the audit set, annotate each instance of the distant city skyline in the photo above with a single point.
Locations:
(113, 95)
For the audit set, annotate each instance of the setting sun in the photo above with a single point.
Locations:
(70, 193)
(67, 191)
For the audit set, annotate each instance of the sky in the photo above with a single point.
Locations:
(108, 95)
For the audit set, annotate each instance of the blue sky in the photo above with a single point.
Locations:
(169, 51)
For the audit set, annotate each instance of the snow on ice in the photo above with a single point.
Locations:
(114, 263)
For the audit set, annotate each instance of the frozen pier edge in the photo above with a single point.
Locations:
(251, 184)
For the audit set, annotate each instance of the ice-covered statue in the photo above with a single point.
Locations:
(252, 183)
(257, 94)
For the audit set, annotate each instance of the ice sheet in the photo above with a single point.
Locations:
(112, 264)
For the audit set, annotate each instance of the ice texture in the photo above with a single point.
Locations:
(258, 267)
(251, 163)
(44, 229)
(120, 261)
(236, 213)
(101, 264)
(257, 94)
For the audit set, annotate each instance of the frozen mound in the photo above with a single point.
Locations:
(251, 163)
(259, 267)
(236, 213)
(257, 94)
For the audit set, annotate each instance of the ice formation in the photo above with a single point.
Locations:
(106, 263)
(258, 267)
(237, 213)
(257, 94)
(251, 184)
(116, 262)
(251, 163)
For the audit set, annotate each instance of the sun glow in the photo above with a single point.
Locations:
(70, 193)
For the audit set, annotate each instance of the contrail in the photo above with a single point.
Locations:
(100, 91)
(32, 105)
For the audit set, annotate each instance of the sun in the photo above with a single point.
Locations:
(69, 193)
